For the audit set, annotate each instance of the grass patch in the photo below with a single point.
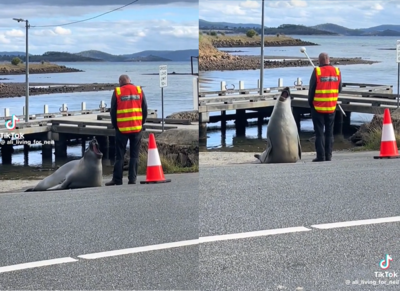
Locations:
(245, 38)
(169, 166)
(373, 139)
(11, 67)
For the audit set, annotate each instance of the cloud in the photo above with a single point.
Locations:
(250, 4)
(62, 31)
(93, 2)
(130, 30)
(15, 33)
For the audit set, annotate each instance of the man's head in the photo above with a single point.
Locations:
(323, 59)
(124, 79)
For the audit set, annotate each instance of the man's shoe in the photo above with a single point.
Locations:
(131, 182)
(112, 183)
(318, 160)
(328, 159)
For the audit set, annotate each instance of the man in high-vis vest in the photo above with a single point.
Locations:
(128, 114)
(325, 86)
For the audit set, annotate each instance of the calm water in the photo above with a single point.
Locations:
(177, 96)
(368, 48)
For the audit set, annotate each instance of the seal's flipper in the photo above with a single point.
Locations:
(298, 141)
(264, 156)
(29, 190)
(63, 185)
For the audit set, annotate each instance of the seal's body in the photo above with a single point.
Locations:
(82, 173)
(282, 134)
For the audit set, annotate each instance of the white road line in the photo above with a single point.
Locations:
(36, 264)
(140, 249)
(204, 239)
(357, 222)
(214, 238)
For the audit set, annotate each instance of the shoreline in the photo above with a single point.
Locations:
(35, 68)
(10, 90)
(213, 59)
(236, 63)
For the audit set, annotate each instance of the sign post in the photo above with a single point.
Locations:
(163, 83)
(398, 70)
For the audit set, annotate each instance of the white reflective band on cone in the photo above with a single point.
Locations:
(388, 133)
(153, 159)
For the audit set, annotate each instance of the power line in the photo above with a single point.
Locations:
(87, 18)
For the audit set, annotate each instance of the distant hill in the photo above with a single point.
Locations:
(176, 56)
(294, 29)
(99, 56)
(12, 54)
(203, 24)
(382, 30)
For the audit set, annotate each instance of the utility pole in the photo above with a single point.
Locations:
(26, 68)
(262, 51)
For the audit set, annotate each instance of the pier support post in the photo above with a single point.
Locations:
(47, 151)
(241, 122)
(260, 121)
(104, 144)
(60, 147)
(297, 117)
(203, 131)
(83, 145)
(223, 123)
(47, 155)
(6, 152)
(347, 122)
(26, 154)
(338, 125)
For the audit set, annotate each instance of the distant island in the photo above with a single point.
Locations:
(293, 29)
(99, 56)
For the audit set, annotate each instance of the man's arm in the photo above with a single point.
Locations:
(311, 90)
(340, 84)
(144, 108)
(113, 110)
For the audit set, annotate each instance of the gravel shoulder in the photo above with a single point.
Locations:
(214, 159)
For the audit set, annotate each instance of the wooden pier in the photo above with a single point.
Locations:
(56, 130)
(248, 103)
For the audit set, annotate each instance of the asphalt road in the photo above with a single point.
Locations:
(36, 227)
(240, 198)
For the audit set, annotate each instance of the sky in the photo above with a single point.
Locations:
(144, 25)
(351, 14)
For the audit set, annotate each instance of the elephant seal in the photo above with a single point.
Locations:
(282, 134)
(82, 173)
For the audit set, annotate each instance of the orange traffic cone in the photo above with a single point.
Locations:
(388, 141)
(154, 173)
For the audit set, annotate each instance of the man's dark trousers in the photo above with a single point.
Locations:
(321, 120)
(121, 141)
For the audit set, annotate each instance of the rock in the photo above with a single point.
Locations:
(191, 115)
(361, 136)
(179, 145)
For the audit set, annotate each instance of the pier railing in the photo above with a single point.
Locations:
(63, 111)
(364, 95)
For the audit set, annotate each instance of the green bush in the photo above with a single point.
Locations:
(251, 33)
(15, 61)
(213, 33)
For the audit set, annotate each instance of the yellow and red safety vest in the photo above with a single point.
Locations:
(129, 108)
(327, 89)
